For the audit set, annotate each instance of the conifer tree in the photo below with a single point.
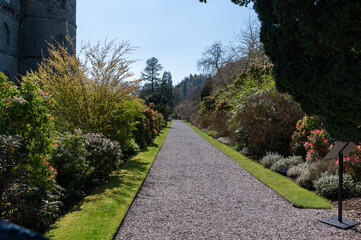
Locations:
(315, 47)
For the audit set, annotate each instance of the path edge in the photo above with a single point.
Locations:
(329, 207)
(141, 185)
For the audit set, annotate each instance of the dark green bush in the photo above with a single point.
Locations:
(270, 158)
(327, 186)
(104, 157)
(73, 168)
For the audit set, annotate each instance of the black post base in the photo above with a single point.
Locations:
(345, 224)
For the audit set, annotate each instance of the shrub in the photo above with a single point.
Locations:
(317, 145)
(270, 158)
(327, 186)
(87, 90)
(352, 164)
(308, 173)
(269, 119)
(286, 162)
(31, 195)
(305, 179)
(127, 121)
(73, 167)
(303, 129)
(357, 190)
(213, 134)
(297, 170)
(105, 155)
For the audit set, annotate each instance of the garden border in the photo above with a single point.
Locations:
(126, 201)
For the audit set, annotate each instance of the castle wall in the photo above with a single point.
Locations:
(9, 27)
(43, 21)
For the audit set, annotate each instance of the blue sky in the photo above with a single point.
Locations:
(174, 31)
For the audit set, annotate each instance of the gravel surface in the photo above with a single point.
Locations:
(194, 191)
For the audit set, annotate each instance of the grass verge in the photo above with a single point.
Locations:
(98, 216)
(297, 195)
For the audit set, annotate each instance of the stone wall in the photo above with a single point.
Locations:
(26, 28)
(9, 27)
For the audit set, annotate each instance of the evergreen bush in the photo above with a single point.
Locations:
(286, 162)
(297, 170)
(269, 159)
(104, 157)
(327, 186)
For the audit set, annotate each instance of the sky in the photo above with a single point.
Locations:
(176, 32)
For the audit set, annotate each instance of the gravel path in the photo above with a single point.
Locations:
(194, 191)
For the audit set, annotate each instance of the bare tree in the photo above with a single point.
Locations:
(247, 44)
(214, 58)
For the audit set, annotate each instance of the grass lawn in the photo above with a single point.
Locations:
(98, 216)
(297, 195)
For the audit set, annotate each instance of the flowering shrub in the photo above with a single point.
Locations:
(104, 156)
(31, 195)
(317, 146)
(303, 129)
(352, 163)
(153, 123)
(223, 106)
(73, 167)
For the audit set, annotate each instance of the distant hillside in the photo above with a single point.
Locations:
(188, 85)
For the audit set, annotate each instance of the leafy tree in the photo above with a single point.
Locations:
(151, 73)
(315, 47)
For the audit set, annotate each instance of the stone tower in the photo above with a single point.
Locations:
(10, 12)
(25, 28)
(42, 21)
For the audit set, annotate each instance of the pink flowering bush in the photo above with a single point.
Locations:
(303, 130)
(352, 163)
(153, 123)
(317, 146)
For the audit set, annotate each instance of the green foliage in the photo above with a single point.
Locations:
(104, 155)
(74, 170)
(327, 186)
(30, 194)
(305, 179)
(316, 51)
(85, 96)
(269, 159)
(213, 134)
(303, 130)
(125, 123)
(157, 91)
(297, 170)
(286, 162)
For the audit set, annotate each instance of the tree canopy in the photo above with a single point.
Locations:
(315, 47)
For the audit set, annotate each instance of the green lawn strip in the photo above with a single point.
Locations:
(98, 216)
(297, 195)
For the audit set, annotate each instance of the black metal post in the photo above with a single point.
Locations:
(340, 183)
(337, 221)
